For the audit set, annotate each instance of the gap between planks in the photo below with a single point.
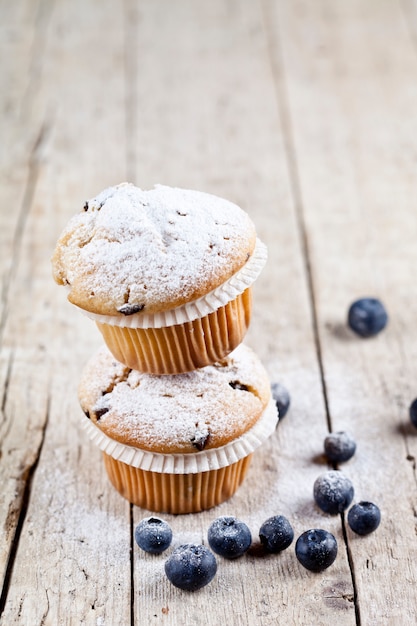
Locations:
(24, 506)
(276, 60)
(279, 79)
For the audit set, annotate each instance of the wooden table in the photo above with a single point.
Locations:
(305, 114)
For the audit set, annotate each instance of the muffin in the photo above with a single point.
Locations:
(166, 274)
(180, 443)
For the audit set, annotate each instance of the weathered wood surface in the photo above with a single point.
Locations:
(304, 113)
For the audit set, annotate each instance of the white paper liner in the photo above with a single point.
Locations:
(190, 311)
(188, 463)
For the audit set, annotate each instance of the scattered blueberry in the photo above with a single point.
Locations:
(191, 567)
(339, 447)
(281, 398)
(276, 533)
(367, 317)
(229, 537)
(316, 549)
(413, 412)
(333, 492)
(364, 518)
(153, 535)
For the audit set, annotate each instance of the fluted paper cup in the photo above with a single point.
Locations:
(181, 483)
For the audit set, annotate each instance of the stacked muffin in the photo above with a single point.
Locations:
(174, 400)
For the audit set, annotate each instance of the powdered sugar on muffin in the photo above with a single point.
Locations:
(175, 414)
(132, 250)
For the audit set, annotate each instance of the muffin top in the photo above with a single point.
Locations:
(131, 250)
(182, 413)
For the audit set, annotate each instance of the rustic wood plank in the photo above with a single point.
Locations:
(305, 115)
(353, 119)
(19, 447)
(221, 133)
(71, 532)
(21, 128)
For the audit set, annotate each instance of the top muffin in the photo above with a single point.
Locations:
(132, 250)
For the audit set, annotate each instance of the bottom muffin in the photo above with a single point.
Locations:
(180, 443)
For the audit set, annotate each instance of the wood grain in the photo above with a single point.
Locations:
(351, 137)
(305, 115)
(45, 460)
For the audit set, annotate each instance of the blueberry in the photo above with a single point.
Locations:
(276, 533)
(339, 447)
(364, 518)
(413, 412)
(367, 317)
(153, 535)
(229, 537)
(316, 549)
(281, 398)
(191, 567)
(333, 492)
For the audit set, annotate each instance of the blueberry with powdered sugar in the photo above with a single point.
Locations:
(339, 447)
(229, 537)
(333, 492)
(281, 398)
(190, 567)
(153, 535)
